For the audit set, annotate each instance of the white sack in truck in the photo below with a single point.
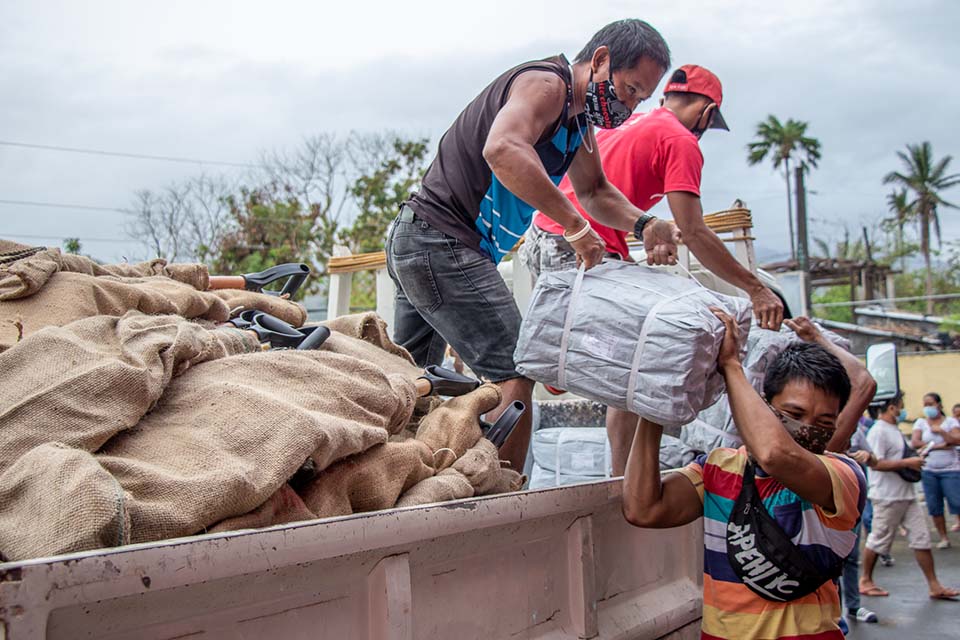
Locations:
(714, 426)
(630, 336)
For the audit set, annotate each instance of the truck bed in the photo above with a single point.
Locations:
(555, 563)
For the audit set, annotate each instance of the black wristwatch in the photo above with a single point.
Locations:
(640, 224)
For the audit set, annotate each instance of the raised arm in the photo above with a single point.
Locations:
(712, 254)
(763, 433)
(533, 105)
(862, 385)
(649, 500)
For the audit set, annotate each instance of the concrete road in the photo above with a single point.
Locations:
(908, 614)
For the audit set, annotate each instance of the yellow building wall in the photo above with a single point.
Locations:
(921, 373)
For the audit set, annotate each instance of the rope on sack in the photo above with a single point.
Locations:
(441, 449)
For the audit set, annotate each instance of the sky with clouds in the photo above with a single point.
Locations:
(220, 80)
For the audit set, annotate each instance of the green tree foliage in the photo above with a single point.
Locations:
(783, 142)
(925, 179)
(379, 194)
(72, 245)
(267, 232)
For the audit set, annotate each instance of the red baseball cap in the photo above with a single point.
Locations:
(691, 78)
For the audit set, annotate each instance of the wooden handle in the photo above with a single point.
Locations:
(424, 387)
(227, 282)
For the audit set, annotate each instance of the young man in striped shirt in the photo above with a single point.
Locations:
(815, 498)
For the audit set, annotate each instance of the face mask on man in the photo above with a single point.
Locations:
(931, 412)
(902, 416)
(602, 106)
(697, 130)
(811, 437)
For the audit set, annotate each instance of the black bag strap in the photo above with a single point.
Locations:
(762, 555)
(910, 475)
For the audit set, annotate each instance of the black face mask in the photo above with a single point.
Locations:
(699, 131)
(602, 106)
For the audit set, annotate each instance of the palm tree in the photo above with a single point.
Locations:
(902, 211)
(784, 142)
(925, 179)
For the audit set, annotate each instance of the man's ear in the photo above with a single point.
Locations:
(600, 63)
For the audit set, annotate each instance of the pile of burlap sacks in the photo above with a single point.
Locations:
(128, 415)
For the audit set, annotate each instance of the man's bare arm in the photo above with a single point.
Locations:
(712, 254)
(648, 500)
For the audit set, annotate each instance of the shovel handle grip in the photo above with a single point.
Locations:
(227, 282)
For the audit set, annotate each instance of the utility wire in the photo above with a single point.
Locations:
(60, 205)
(120, 154)
(64, 237)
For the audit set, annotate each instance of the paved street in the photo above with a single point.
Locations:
(908, 613)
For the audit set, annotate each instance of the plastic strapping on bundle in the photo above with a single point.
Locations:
(645, 329)
(567, 326)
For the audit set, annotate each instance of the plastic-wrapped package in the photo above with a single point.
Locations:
(630, 336)
(573, 451)
(674, 454)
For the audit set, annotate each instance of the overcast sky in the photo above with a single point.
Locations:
(225, 80)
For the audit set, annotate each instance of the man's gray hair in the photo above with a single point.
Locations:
(628, 41)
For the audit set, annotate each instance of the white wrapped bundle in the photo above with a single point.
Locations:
(630, 336)
(573, 451)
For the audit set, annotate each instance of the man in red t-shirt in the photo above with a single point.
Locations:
(650, 156)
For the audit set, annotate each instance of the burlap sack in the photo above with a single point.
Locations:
(282, 507)
(368, 327)
(370, 481)
(449, 484)
(227, 434)
(238, 300)
(508, 481)
(453, 427)
(26, 276)
(83, 383)
(58, 500)
(481, 466)
(67, 297)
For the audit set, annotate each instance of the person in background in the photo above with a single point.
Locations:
(655, 155)
(814, 497)
(895, 501)
(941, 472)
(956, 416)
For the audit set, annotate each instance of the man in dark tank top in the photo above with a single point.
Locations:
(499, 161)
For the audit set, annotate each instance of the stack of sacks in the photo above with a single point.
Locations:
(42, 287)
(630, 336)
(714, 426)
(141, 428)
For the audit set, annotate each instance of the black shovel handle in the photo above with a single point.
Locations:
(444, 382)
(295, 273)
(499, 431)
(315, 336)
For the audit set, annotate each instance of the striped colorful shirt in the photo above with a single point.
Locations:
(730, 609)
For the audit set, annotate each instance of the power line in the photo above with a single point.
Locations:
(121, 154)
(64, 237)
(60, 205)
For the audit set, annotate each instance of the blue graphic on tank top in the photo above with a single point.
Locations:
(503, 216)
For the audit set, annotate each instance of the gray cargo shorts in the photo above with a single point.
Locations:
(544, 251)
(450, 293)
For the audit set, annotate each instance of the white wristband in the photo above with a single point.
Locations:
(579, 234)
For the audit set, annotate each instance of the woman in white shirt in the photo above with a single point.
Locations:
(941, 472)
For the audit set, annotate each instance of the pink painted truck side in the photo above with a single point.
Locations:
(558, 563)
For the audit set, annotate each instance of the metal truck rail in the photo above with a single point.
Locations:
(556, 563)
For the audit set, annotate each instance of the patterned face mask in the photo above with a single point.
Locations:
(811, 437)
(602, 107)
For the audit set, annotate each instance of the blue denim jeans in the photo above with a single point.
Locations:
(850, 578)
(939, 486)
(450, 293)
